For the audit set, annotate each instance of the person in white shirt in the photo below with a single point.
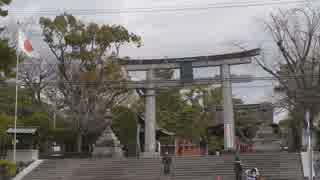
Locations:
(158, 147)
(251, 174)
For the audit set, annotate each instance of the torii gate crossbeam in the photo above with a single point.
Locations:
(163, 84)
(236, 58)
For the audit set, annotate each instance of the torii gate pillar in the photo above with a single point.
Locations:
(150, 117)
(228, 115)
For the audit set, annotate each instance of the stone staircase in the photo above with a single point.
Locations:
(97, 169)
(203, 168)
(273, 166)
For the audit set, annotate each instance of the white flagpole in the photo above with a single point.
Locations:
(16, 103)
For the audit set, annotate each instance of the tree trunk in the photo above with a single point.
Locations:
(38, 99)
(79, 142)
(295, 135)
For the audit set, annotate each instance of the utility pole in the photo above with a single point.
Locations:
(54, 119)
(310, 150)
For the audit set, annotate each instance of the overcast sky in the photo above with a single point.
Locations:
(180, 33)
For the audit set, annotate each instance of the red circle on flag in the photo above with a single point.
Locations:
(28, 46)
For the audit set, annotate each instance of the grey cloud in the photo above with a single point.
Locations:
(181, 34)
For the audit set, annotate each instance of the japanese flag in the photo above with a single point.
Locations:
(24, 44)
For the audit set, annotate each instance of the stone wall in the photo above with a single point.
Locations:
(23, 155)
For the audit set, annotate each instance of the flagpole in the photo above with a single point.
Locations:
(16, 103)
(16, 112)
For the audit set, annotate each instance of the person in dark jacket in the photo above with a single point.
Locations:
(203, 146)
(238, 168)
(166, 161)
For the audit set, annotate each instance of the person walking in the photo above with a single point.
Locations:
(238, 168)
(203, 146)
(251, 174)
(158, 147)
(166, 161)
(258, 176)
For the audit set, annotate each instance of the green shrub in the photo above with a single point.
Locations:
(124, 125)
(215, 143)
(11, 168)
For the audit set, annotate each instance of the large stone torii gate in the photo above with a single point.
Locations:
(186, 65)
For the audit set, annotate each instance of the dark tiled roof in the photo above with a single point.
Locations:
(21, 130)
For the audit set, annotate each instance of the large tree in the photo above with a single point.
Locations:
(204, 99)
(86, 55)
(36, 76)
(4, 3)
(295, 34)
(7, 53)
(124, 125)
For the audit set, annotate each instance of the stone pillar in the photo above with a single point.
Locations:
(228, 115)
(150, 118)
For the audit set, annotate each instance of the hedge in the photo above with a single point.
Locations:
(11, 168)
